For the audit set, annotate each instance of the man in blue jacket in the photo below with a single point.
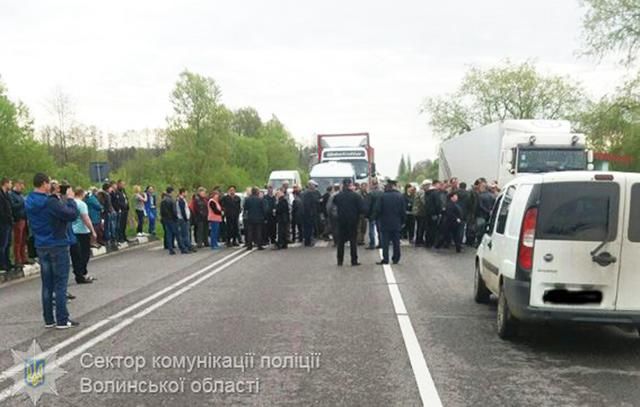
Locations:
(49, 218)
(391, 215)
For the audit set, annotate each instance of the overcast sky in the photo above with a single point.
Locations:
(322, 66)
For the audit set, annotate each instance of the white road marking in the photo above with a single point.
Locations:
(61, 360)
(12, 371)
(426, 387)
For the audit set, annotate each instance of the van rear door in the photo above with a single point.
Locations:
(629, 281)
(577, 220)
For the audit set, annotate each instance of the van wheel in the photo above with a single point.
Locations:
(507, 323)
(481, 293)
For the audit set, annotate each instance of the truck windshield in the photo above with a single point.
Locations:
(361, 168)
(546, 160)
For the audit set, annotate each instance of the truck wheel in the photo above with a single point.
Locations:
(507, 323)
(481, 293)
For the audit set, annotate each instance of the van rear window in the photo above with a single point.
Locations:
(582, 211)
(634, 214)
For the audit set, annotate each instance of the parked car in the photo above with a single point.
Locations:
(563, 246)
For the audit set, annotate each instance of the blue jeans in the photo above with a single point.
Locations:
(153, 214)
(110, 227)
(392, 237)
(214, 234)
(54, 272)
(5, 244)
(373, 230)
(172, 234)
(184, 234)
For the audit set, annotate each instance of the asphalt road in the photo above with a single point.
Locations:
(287, 308)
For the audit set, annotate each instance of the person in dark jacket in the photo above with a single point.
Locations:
(270, 217)
(310, 202)
(350, 206)
(374, 228)
(232, 205)
(201, 218)
(409, 228)
(435, 206)
(282, 219)
(151, 209)
(297, 216)
(123, 211)
(19, 224)
(254, 207)
(110, 216)
(169, 218)
(50, 217)
(391, 214)
(6, 224)
(452, 222)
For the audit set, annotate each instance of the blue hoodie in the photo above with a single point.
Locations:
(49, 219)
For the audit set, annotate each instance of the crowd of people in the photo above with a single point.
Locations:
(58, 224)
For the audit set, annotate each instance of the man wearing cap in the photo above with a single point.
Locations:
(350, 206)
(391, 215)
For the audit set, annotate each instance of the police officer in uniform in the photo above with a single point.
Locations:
(350, 206)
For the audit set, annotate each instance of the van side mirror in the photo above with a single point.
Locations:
(509, 157)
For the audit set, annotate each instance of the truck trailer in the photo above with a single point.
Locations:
(503, 150)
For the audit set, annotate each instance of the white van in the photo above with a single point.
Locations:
(278, 178)
(331, 173)
(563, 246)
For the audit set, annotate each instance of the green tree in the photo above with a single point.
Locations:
(20, 154)
(246, 122)
(505, 92)
(612, 26)
(613, 124)
(402, 169)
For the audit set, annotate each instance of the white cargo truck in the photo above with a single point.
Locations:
(503, 150)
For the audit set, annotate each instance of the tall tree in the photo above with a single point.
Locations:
(246, 122)
(61, 108)
(504, 92)
(402, 168)
(612, 26)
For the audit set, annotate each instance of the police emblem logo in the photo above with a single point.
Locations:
(34, 372)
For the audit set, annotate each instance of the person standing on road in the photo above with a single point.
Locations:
(83, 231)
(215, 220)
(452, 222)
(140, 200)
(391, 214)
(374, 227)
(200, 217)
(362, 223)
(409, 228)
(170, 222)
(350, 206)
(270, 217)
(95, 214)
(150, 207)
(232, 206)
(105, 196)
(49, 217)
(255, 209)
(19, 224)
(282, 218)
(297, 216)
(123, 207)
(183, 213)
(420, 205)
(310, 202)
(6, 224)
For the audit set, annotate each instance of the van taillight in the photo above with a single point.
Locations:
(527, 239)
